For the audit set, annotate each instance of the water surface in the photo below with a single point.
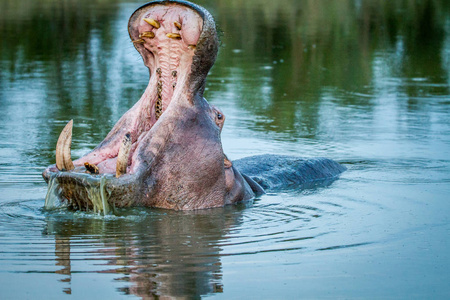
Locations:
(363, 82)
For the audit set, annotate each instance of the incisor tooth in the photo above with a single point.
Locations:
(192, 47)
(173, 35)
(152, 22)
(91, 168)
(63, 157)
(138, 41)
(177, 25)
(122, 157)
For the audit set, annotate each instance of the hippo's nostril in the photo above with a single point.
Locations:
(152, 22)
(177, 25)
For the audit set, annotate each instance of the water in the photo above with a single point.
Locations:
(363, 82)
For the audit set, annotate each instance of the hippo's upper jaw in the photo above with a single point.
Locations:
(166, 150)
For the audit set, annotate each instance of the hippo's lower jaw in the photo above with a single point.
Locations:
(166, 150)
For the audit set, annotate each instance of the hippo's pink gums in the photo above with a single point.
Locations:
(166, 150)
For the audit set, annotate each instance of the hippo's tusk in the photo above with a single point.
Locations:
(173, 35)
(152, 22)
(138, 41)
(192, 47)
(63, 158)
(122, 157)
(147, 34)
(177, 25)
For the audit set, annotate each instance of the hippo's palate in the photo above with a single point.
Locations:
(166, 37)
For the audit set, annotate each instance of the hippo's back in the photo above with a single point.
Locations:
(275, 172)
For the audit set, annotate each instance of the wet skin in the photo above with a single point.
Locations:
(166, 150)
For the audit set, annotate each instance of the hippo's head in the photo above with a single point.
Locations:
(166, 150)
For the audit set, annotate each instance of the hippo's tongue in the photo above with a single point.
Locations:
(166, 36)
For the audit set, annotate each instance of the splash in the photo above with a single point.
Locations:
(97, 195)
(52, 199)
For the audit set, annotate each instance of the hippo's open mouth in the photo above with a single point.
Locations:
(169, 141)
(167, 37)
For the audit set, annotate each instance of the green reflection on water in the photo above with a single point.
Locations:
(280, 60)
(297, 53)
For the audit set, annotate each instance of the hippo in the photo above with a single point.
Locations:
(166, 151)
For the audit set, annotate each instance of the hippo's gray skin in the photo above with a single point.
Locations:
(278, 172)
(166, 150)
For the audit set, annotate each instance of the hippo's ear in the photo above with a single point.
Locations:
(256, 188)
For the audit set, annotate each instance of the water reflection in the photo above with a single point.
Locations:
(156, 254)
(298, 55)
(292, 57)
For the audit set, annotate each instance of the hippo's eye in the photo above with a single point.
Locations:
(219, 116)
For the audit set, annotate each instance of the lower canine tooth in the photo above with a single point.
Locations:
(63, 157)
(122, 157)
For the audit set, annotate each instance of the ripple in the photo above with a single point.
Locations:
(343, 246)
(281, 223)
(139, 241)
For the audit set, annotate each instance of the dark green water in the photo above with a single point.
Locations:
(363, 82)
